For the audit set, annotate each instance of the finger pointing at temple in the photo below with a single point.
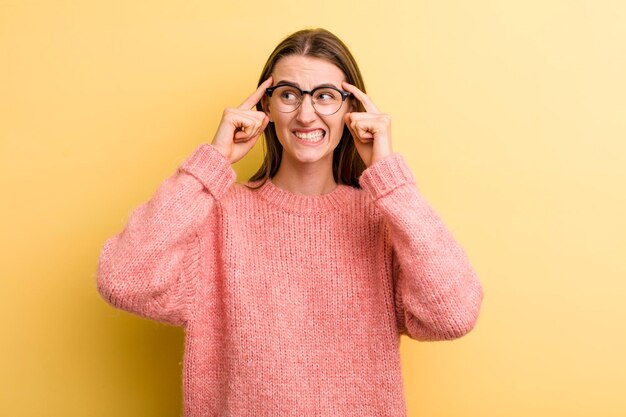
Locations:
(369, 105)
(256, 96)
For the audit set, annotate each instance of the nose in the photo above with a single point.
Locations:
(306, 111)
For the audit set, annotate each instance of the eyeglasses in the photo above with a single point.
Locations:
(287, 98)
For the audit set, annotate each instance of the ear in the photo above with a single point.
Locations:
(265, 104)
(353, 107)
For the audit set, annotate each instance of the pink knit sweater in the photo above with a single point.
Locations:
(292, 305)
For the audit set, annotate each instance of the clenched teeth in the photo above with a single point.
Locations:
(311, 136)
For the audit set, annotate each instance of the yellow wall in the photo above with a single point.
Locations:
(512, 115)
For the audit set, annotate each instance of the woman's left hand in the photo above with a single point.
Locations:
(371, 129)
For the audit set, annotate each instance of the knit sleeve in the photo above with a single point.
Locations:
(437, 292)
(150, 267)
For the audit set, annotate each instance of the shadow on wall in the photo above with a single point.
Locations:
(146, 357)
(133, 365)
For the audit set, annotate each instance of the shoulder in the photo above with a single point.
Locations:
(359, 204)
(239, 193)
(362, 200)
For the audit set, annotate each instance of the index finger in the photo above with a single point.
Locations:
(369, 105)
(256, 96)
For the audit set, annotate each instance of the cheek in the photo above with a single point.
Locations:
(337, 128)
(281, 126)
(280, 121)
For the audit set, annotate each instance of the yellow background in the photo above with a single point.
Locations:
(511, 114)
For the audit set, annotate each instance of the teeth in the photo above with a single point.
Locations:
(312, 136)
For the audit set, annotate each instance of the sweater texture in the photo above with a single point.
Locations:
(292, 305)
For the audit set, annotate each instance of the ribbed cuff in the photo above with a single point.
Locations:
(211, 168)
(386, 175)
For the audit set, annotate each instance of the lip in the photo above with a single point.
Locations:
(308, 130)
(309, 143)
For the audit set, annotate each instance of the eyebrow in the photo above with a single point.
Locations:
(293, 84)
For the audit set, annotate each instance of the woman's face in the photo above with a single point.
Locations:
(305, 135)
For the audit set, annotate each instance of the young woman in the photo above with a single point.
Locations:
(294, 289)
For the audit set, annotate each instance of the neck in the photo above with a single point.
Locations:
(305, 178)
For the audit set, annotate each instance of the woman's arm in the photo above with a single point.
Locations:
(150, 267)
(437, 293)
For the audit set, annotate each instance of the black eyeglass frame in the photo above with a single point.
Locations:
(344, 95)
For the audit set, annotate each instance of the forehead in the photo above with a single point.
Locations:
(307, 71)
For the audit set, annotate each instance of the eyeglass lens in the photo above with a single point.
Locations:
(326, 101)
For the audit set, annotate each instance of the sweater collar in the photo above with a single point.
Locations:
(300, 203)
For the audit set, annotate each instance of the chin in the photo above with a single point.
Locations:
(308, 155)
(309, 158)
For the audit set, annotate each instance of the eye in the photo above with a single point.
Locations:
(288, 94)
(326, 95)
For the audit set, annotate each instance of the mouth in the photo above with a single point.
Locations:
(310, 137)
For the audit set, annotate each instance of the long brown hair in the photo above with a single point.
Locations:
(317, 43)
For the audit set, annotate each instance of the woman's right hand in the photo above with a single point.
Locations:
(240, 127)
